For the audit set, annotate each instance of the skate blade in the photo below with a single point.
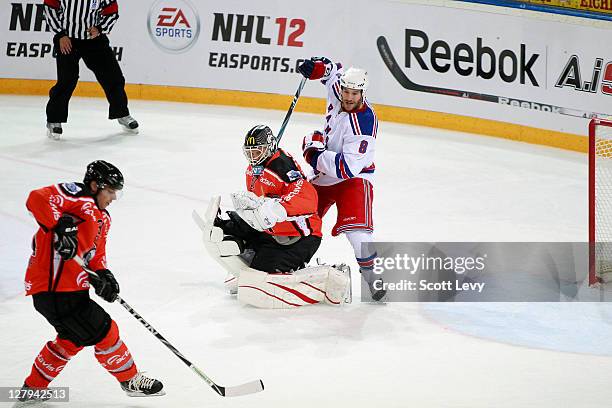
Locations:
(381, 301)
(29, 404)
(140, 394)
(127, 129)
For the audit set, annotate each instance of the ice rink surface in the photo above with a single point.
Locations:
(432, 185)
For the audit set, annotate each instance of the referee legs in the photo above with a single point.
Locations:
(67, 78)
(100, 58)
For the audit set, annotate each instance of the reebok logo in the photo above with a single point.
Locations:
(465, 54)
(480, 60)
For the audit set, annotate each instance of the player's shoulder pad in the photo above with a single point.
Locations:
(285, 167)
(364, 122)
(73, 189)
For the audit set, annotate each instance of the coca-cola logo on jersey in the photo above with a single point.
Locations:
(174, 25)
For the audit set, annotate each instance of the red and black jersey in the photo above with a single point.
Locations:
(46, 271)
(283, 178)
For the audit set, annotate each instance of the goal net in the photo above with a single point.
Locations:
(600, 200)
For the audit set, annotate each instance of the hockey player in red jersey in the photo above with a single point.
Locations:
(266, 243)
(342, 156)
(73, 220)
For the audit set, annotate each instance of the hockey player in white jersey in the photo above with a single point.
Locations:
(342, 157)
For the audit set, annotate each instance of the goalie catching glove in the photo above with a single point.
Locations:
(261, 213)
(246, 200)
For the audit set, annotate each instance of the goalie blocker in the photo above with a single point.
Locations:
(307, 286)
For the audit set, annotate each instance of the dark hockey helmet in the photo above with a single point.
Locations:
(259, 144)
(104, 174)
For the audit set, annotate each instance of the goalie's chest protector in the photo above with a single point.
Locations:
(267, 184)
(280, 174)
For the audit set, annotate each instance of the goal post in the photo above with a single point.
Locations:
(600, 200)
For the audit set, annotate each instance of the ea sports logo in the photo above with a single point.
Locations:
(174, 25)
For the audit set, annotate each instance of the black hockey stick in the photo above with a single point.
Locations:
(235, 391)
(400, 76)
(290, 111)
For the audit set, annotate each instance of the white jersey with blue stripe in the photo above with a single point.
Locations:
(350, 137)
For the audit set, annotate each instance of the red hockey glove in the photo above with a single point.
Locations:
(314, 68)
(312, 147)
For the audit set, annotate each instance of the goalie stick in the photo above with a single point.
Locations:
(400, 76)
(258, 169)
(235, 391)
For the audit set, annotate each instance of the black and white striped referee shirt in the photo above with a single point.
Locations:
(74, 17)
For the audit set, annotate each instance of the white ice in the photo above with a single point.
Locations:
(432, 185)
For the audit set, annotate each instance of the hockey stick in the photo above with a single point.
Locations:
(290, 111)
(235, 391)
(400, 76)
(197, 218)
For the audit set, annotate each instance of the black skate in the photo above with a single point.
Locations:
(377, 294)
(129, 123)
(29, 400)
(54, 130)
(374, 281)
(143, 386)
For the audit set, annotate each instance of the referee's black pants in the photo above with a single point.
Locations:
(100, 59)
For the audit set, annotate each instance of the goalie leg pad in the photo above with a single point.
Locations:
(285, 291)
(337, 289)
(231, 283)
(219, 247)
(275, 291)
